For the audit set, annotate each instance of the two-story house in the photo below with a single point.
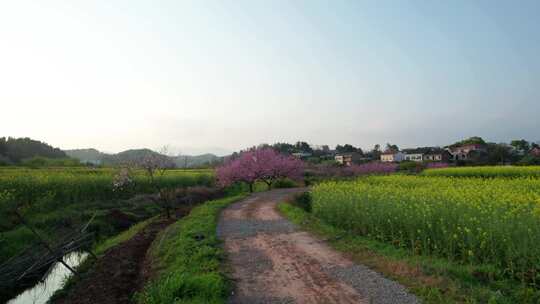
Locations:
(463, 152)
(437, 155)
(348, 159)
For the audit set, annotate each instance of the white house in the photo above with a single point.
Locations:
(392, 156)
(416, 157)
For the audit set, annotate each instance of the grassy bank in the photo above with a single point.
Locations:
(188, 259)
(434, 280)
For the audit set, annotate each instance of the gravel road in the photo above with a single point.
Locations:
(271, 261)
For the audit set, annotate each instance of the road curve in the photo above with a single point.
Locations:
(271, 261)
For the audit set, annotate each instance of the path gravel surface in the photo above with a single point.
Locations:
(271, 261)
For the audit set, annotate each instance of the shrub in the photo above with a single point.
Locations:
(411, 166)
(285, 183)
(303, 200)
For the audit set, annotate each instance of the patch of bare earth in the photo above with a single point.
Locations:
(114, 277)
(272, 262)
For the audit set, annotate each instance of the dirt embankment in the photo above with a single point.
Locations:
(115, 276)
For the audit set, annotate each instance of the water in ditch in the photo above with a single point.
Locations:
(41, 292)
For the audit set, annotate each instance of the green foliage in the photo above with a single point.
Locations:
(521, 145)
(304, 201)
(467, 220)
(347, 148)
(188, 255)
(486, 172)
(470, 141)
(529, 160)
(285, 183)
(410, 166)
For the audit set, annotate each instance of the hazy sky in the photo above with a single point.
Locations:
(213, 75)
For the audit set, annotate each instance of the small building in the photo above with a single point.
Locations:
(392, 156)
(462, 152)
(348, 159)
(437, 155)
(535, 152)
(416, 157)
(302, 155)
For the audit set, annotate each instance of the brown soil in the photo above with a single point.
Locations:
(271, 261)
(115, 277)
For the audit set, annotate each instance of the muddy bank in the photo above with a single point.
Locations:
(114, 277)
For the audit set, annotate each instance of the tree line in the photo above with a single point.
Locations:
(15, 150)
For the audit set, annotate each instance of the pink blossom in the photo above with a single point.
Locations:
(371, 168)
(264, 165)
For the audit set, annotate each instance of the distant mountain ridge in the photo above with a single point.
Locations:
(182, 161)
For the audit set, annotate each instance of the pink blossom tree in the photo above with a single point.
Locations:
(264, 165)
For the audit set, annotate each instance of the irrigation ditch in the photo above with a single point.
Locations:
(67, 271)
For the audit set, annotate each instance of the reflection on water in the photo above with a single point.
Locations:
(41, 292)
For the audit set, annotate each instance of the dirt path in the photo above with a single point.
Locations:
(272, 262)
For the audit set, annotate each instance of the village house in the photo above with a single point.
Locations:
(416, 155)
(462, 152)
(348, 159)
(437, 155)
(392, 156)
(535, 152)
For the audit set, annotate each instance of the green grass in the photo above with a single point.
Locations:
(122, 237)
(432, 279)
(486, 172)
(188, 260)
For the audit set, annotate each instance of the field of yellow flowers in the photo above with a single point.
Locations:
(468, 220)
(68, 185)
(486, 172)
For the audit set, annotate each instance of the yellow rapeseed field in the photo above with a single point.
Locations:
(470, 220)
(487, 171)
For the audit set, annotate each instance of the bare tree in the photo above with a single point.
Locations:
(158, 163)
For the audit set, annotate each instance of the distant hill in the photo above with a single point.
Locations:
(129, 156)
(87, 155)
(15, 150)
(204, 160)
(184, 161)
